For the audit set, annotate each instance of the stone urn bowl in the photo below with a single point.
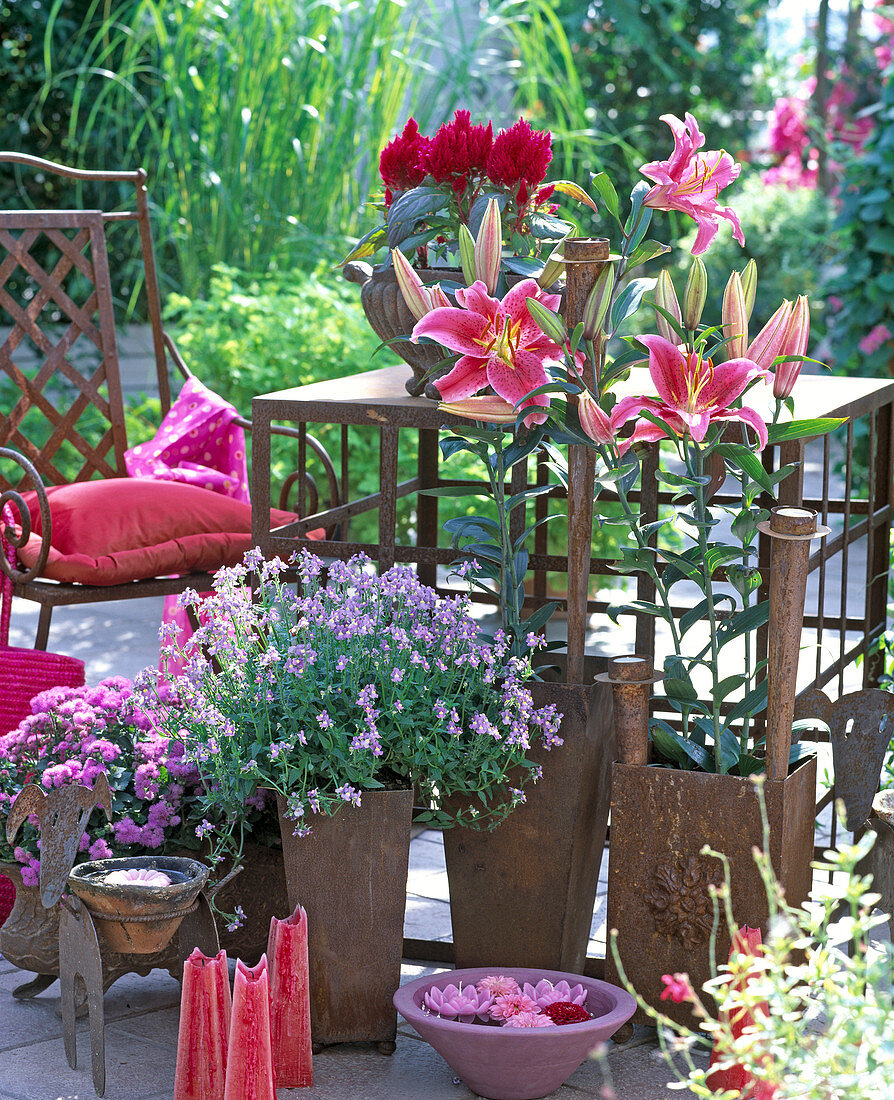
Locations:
(503, 1063)
(138, 919)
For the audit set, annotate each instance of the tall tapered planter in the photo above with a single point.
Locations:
(350, 874)
(659, 894)
(522, 895)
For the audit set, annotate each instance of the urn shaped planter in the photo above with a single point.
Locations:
(522, 895)
(350, 874)
(389, 315)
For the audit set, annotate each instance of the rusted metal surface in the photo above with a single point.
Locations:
(880, 861)
(659, 882)
(792, 530)
(80, 958)
(63, 813)
(138, 920)
(861, 727)
(350, 874)
(389, 316)
(631, 680)
(523, 894)
(29, 939)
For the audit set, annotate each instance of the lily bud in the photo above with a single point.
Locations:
(488, 408)
(666, 298)
(553, 268)
(416, 296)
(467, 254)
(695, 295)
(749, 286)
(734, 318)
(764, 348)
(794, 342)
(598, 301)
(489, 246)
(594, 421)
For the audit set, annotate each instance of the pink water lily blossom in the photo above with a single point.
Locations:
(137, 876)
(500, 345)
(545, 993)
(693, 393)
(690, 181)
(462, 1002)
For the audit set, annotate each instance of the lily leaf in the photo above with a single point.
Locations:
(803, 429)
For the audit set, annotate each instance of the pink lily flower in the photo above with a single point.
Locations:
(691, 181)
(692, 393)
(500, 345)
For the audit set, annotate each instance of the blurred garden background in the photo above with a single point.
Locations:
(260, 125)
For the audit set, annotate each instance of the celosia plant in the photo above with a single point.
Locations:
(434, 187)
(360, 682)
(76, 734)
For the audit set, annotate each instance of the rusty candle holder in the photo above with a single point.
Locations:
(631, 679)
(792, 530)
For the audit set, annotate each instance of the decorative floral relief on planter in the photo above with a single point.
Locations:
(679, 898)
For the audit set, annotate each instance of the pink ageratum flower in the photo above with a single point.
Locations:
(545, 993)
(460, 1002)
(690, 181)
(498, 985)
(529, 1019)
(510, 1004)
(500, 345)
(693, 393)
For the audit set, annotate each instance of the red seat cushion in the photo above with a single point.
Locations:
(127, 529)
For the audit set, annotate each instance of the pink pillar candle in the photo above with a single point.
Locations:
(204, 1027)
(249, 1059)
(290, 1001)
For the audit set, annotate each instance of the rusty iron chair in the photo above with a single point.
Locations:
(67, 424)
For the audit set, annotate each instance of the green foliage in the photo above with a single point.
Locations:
(633, 61)
(862, 275)
(786, 233)
(260, 122)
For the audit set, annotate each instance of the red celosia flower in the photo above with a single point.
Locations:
(520, 155)
(566, 1012)
(458, 152)
(400, 162)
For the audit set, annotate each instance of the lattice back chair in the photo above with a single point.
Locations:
(64, 423)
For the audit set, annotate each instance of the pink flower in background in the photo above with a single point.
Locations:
(677, 988)
(874, 339)
(693, 393)
(690, 181)
(500, 345)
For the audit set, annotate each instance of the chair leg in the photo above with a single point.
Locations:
(43, 627)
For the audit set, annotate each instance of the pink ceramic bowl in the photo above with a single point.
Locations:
(503, 1063)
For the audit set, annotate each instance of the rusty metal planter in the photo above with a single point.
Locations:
(350, 875)
(658, 892)
(523, 894)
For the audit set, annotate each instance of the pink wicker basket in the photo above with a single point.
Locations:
(25, 673)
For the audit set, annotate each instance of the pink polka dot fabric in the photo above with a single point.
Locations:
(197, 443)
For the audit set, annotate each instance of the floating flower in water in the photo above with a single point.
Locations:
(566, 1012)
(529, 1019)
(545, 993)
(137, 876)
(510, 1004)
(498, 985)
(462, 1002)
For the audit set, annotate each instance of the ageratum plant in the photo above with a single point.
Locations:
(74, 735)
(359, 683)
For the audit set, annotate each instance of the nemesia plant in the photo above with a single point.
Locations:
(500, 999)
(808, 1013)
(74, 735)
(360, 682)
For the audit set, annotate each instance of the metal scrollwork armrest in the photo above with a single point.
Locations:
(22, 516)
